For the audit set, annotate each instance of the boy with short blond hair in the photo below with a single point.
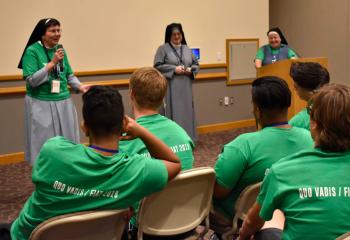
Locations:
(311, 187)
(147, 90)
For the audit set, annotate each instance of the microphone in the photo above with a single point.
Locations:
(60, 64)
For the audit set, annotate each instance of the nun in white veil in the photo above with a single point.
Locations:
(49, 110)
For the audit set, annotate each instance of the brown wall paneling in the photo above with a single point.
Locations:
(317, 28)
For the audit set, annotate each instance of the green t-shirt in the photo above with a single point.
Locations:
(261, 55)
(312, 188)
(301, 120)
(245, 160)
(171, 134)
(35, 59)
(71, 177)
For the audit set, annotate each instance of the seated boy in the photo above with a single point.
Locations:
(311, 187)
(246, 159)
(307, 77)
(72, 177)
(147, 90)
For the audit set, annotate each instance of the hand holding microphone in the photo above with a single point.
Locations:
(59, 55)
(60, 51)
(57, 60)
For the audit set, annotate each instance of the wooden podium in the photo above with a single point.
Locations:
(281, 69)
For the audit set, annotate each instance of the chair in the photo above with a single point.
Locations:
(180, 207)
(345, 236)
(244, 202)
(90, 225)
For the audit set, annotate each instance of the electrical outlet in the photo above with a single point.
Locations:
(221, 101)
(231, 100)
(226, 101)
(218, 56)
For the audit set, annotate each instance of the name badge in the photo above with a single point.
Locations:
(55, 86)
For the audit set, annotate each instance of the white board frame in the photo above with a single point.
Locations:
(240, 55)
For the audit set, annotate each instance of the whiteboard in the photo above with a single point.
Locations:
(240, 59)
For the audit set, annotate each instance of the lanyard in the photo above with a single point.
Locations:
(104, 149)
(177, 55)
(55, 69)
(275, 124)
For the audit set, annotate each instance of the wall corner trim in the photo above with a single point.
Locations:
(11, 158)
(225, 126)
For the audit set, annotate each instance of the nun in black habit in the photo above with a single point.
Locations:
(49, 110)
(175, 60)
(276, 50)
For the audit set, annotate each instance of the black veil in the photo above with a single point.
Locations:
(169, 30)
(283, 39)
(37, 33)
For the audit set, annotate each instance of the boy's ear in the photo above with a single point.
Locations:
(256, 112)
(257, 116)
(131, 94)
(84, 128)
(132, 98)
(125, 123)
(313, 129)
(313, 125)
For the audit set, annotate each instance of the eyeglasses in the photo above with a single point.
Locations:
(54, 30)
(309, 107)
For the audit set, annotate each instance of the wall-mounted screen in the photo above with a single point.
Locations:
(197, 53)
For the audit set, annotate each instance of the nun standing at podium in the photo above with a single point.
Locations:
(276, 50)
(49, 110)
(175, 60)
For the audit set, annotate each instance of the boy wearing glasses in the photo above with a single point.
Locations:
(311, 187)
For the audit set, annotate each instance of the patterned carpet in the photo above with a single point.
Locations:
(16, 185)
(209, 145)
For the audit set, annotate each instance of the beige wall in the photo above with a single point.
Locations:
(317, 28)
(111, 34)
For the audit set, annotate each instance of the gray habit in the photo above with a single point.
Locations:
(47, 119)
(179, 100)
